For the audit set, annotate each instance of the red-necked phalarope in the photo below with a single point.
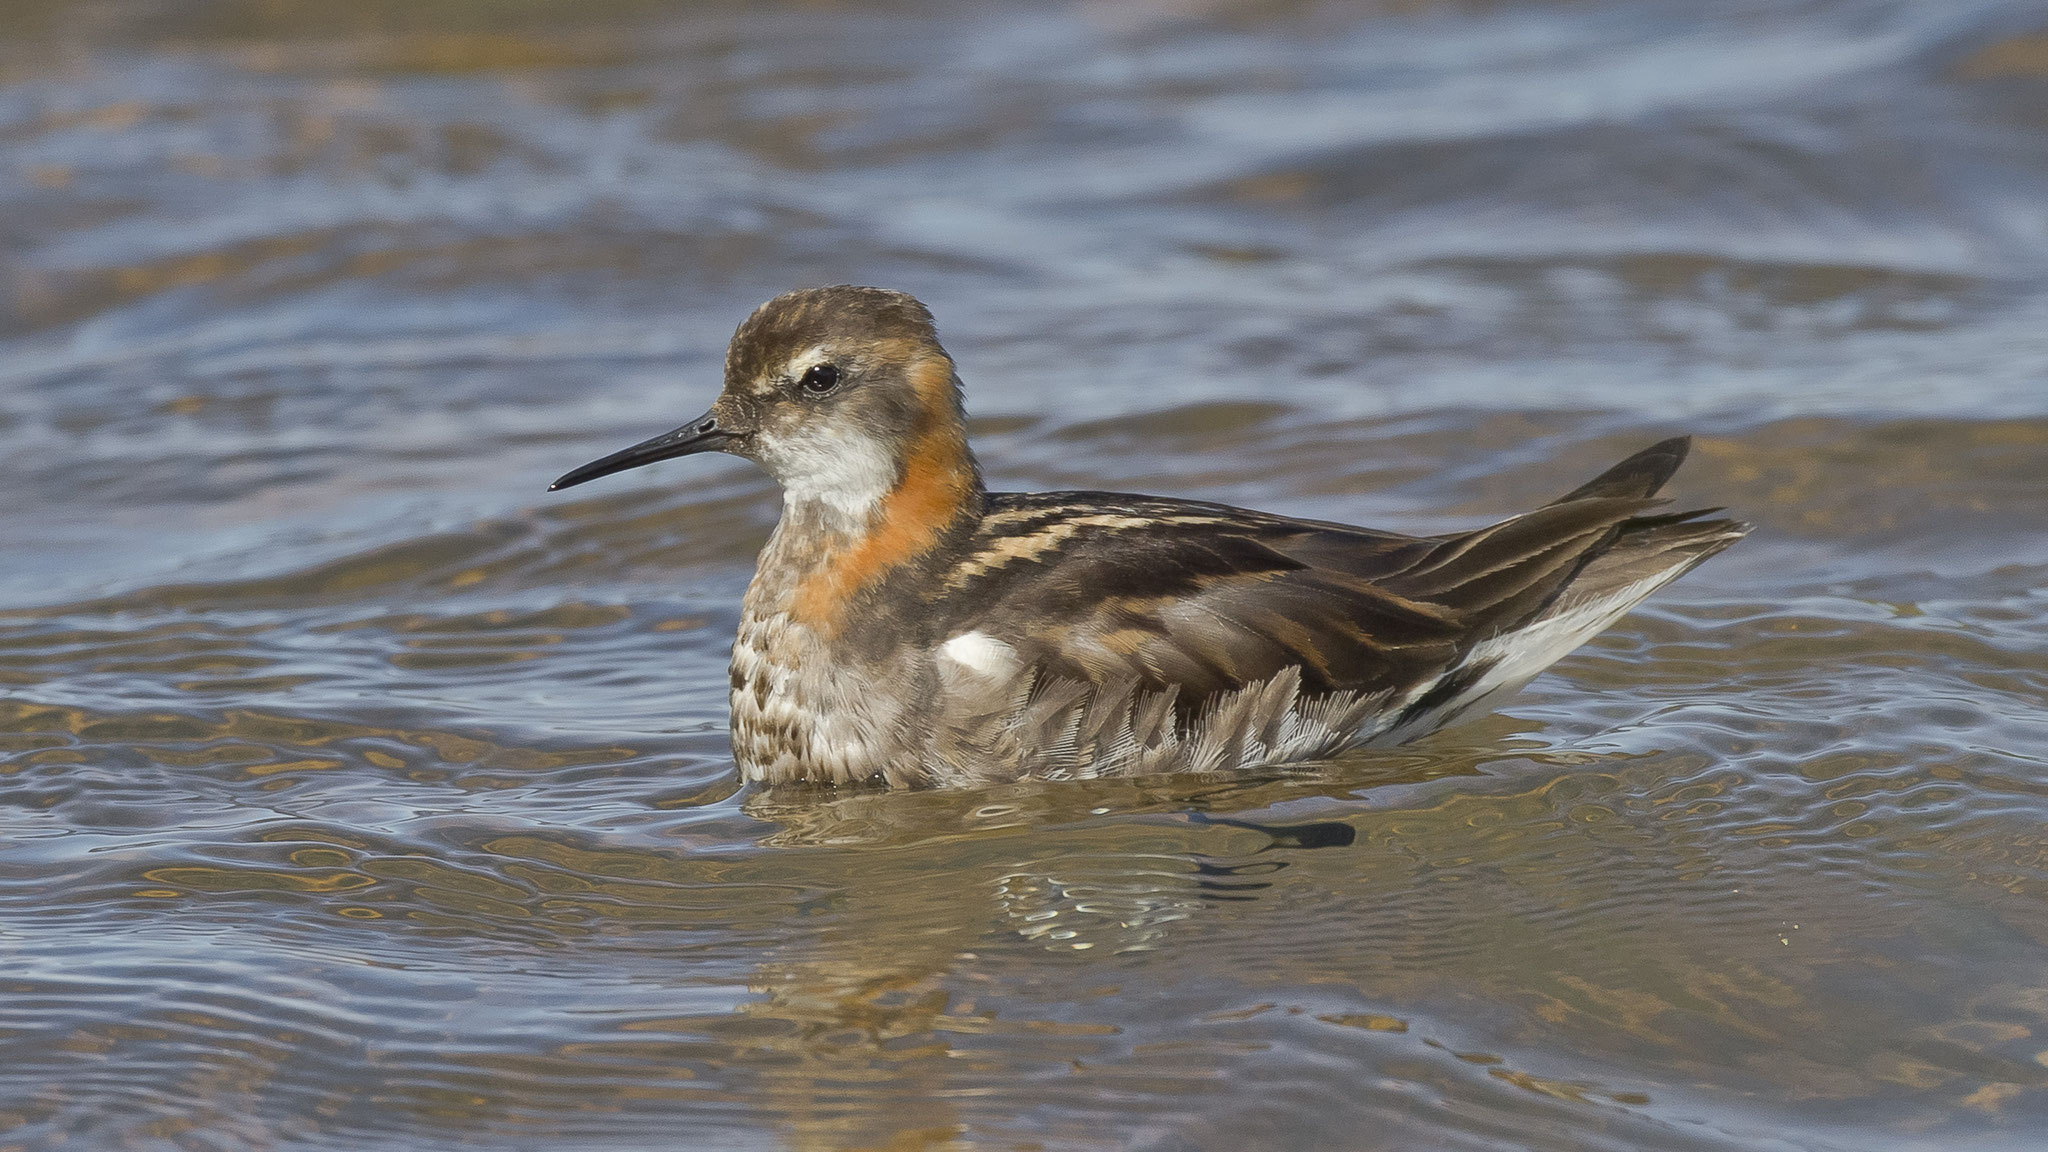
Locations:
(907, 626)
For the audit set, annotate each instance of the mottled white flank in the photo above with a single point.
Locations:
(1525, 653)
(1517, 657)
(838, 469)
(1062, 729)
(980, 653)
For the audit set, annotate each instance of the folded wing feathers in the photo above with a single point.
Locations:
(1512, 542)
(1400, 599)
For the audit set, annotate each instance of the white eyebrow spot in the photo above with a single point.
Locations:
(979, 652)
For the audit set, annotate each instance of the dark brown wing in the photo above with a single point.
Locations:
(1103, 587)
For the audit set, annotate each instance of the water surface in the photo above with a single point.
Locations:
(355, 793)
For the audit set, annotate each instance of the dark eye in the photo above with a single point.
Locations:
(819, 380)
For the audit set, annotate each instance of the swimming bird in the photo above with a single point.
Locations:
(907, 626)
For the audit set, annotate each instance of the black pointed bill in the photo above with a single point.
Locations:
(700, 435)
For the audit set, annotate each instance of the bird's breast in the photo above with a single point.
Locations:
(804, 711)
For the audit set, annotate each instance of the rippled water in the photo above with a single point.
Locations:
(354, 793)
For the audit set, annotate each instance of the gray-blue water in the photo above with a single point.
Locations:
(356, 794)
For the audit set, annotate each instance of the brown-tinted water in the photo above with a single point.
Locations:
(356, 794)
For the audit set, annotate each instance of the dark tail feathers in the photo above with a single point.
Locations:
(1640, 475)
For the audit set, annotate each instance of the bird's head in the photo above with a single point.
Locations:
(846, 397)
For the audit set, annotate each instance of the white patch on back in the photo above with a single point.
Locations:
(980, 653)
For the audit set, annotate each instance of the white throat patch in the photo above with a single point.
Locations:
(840, 471)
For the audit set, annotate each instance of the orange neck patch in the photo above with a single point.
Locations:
(937, 482)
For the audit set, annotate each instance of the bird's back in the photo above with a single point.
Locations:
(1089, 633)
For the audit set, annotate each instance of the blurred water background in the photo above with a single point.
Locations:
(356, 794)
